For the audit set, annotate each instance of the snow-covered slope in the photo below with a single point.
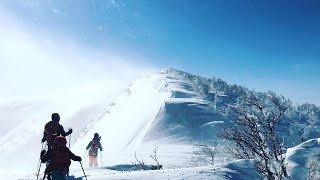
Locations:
(186, 115)
(120, 118)
(300, 157)
(171, 110)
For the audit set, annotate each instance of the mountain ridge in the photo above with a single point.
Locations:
(206, 102)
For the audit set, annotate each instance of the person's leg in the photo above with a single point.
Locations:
(91, 160)
(47, 171)
(57, 175)
(95, 161)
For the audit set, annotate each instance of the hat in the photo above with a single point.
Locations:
(96, 135)
(55, 117)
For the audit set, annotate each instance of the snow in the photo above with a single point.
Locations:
(181, 100)
(129, 119)
(241, 169)
(156, 110)
(213, 123)
(204, 172)
(299, 157)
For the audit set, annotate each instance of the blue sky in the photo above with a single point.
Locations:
(260, 44)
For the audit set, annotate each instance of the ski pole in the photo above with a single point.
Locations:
(69, 140)
(46, 176)
(69, 148)
(101, 158)
(84, 156)
(39, 164)
(83, 171)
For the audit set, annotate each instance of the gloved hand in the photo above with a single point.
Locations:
(79, 158)
(43, 152)
(43, 140)
(70, 131)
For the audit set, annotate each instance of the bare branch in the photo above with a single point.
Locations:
(254, 134)
(154, 156)
(207, 152)
(138, 162)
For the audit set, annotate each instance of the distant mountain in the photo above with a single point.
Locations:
(199, 106)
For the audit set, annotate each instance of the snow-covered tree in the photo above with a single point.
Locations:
(254, 134)
(300, 122)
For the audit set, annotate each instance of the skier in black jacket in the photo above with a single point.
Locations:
(53, 129)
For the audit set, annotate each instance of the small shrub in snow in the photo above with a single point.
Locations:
(138, 162)
(205, 153)
(154, 156)
(143, 166)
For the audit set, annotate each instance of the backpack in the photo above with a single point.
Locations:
(60, 159)
(93, 151)
(51, 128)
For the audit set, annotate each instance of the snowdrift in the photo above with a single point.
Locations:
(299, 158)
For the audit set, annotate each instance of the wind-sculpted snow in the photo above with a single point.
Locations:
(300, 157)
(129, 118)
(186, 115)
